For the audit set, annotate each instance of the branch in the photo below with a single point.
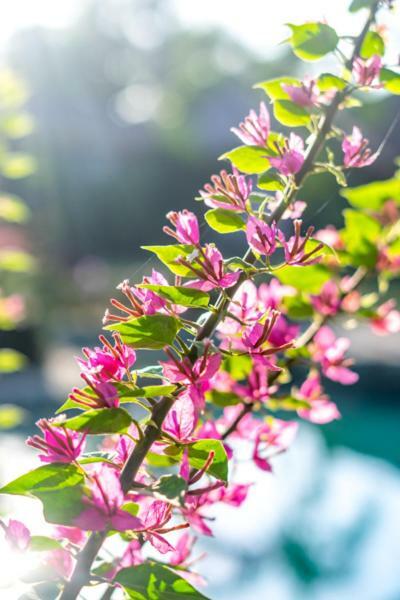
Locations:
(86, 557)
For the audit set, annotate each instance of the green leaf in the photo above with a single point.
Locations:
(390, 80)
(290, 114)
(327, 81)
(298, 307)
(42, 543)
(151, 372)
(199, 452)
(238, 366)
(151, 332)
(100, 421)
(161, 460)
(16, 165)
(373, 195)
(270, 181)
(170, 488)
(58, 486)
(153, 581)
(180, 295)
(150, 391)
(248, 159)
(17, 125)
(47, 478)
(359, 4)
(372, 44)
(62, 506)
(11, 416)
(273, 87)
(17, 261)
(287, 403)
(311, 41)
(169, 255)
(224, 221)
(13, 209)
(223, 398)
(306, 279)
(360, 235)
(11, 360)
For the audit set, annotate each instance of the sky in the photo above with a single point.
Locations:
(259, 24)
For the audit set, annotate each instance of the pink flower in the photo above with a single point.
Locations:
(141, 301)
(306, 94)
(388, 261)
(387, 319)
(321, 410)
(100, 395)
(181, 420)
(291, 157)
(234, 495)
(330, 352)
(186, 225)
(297, 249)
(156, 517)
(256, 388)
(104, 504)
(132, 555)
(197, 376)
(210, 270)
(247, 428)
(255, 128)
(330, 236)
(260, 236)
(328, 301)
(228, 191)
(356, 151)
(60, 562)
(275, 434)
(183, 549)
(73, 534)
(109, 362)
(17, 534)
(196, 519)
(271, 294)
(58, 443)
(257, 339)
(366, 72)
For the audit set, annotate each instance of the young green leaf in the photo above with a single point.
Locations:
(42, 543)
(311, 41)
(223, 399)
(270, 181)
(151, 332)
(290, 114)
(248, 159)
(306, 279)
(170, 255)
(327, 81)
(199, 453)
(273, 87)
(224, 221)
(373, 195)
(390, 80)
(100, 421)
(153, 581)
(360, 235)
(373, 44)
(180, 295)
(47, 478)
(359, 4)
(170, 488)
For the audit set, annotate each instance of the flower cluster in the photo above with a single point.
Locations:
(230, 332)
